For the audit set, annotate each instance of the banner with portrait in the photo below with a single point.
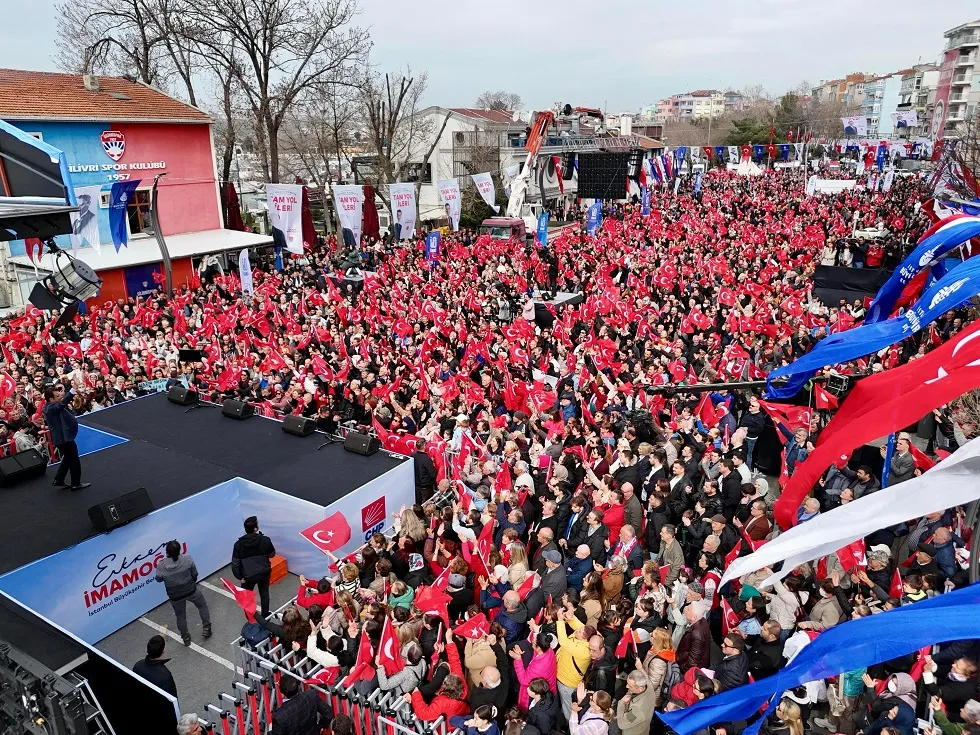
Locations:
(286, 215)
(85, 222)
(350, 210)
(403, 209)
(484, 185)
(449, 196)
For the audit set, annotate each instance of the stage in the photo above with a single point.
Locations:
(205, 473)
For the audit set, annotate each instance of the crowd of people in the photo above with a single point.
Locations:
(576, 508)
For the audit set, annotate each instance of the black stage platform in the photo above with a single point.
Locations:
(52, 648)
(174, 455)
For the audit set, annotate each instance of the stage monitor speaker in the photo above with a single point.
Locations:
(568, 165)
(237, 409)
(182, 396)
(602, 175)
(21, 466)
(362, 444)
(120, 511)
(635, 163)
(298, 425)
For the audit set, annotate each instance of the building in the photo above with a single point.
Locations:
(958, 87)
(701, 103)
(882, 96)
(918, 83)
(114, 129)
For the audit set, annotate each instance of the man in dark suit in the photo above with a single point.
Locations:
(546, 542)
(425, 473)
(578, 527)
(301, 713)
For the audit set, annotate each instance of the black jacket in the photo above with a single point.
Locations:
(425, 471)
(251, 555)
(765, 658)
(304, 714)
(155, 671)
(597, 543)
(732, 671)
(601, 674)
(544, 714)
(731, 493)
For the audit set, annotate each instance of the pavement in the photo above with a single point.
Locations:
(207, 667)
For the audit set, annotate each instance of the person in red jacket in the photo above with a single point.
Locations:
(613, 513)
(450, 700)
(324, 595)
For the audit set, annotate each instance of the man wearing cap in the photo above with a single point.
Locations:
(462, 597)
(553, 581)
(725, 533)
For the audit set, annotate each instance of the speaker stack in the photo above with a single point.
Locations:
(21, 466)
(361, 444)
(635, 163)
(568, 165)
(120, 511)
(602, 175)
(237, 409)
(182, 396)
(298, 425)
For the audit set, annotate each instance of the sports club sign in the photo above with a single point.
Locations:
(114, 146)
(113, 143)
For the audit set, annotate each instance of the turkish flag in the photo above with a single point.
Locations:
(852, 556)
(7, 386)
(362, 669)
(433, 600)
(330, 534)
(244, 598)
(792, 306)
(726, 296)
(389, 655)
(896, 587)
(823, 399)
(794, 417)
(625, 639)
(729, 618)
(922, 460)
(475, 628)
(733, 554)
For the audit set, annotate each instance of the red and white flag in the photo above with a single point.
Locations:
(389, 653)
(244, 598)
(363, 668)
(330, 534)
(475, 628)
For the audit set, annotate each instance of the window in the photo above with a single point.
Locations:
(139, 212)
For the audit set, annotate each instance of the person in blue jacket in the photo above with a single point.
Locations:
(64, 428)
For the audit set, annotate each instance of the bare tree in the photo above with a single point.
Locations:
(498, 101)
(397, 134)
(288, 48)
(319, 132)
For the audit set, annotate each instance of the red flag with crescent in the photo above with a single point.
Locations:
(330, 534)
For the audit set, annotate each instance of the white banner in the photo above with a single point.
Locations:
(832, 186)
(286, 214)
(855, 125)
(85, 222)
(449, 196)
(811, 185)
(108, 581)
(349, 201)
(403, 210)
(950, 483)
(245, 273)
(889, 180)
(905, 119)
(798, 147)
(734, 156)
(484, 185)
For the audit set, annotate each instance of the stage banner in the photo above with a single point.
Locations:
(245, 273)
(108, 581)
(285, 203)
(644, 201)
(941, 106)
(484, 185)
(855, 125)
(595, 218)
(811, 185)
(833, 186)
(119, 197)
(85, 222)
(403, 204)
(959, 285)
(543, 229)
(449, 196)
(350, 210)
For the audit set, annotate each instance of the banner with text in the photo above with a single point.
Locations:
(120, 196)
(350, 210)
(404, 208)
(484, 185)
(286, 215)
(245, 273)
(449, 196)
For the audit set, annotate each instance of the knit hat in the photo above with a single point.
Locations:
(695, 586)
(747, 592)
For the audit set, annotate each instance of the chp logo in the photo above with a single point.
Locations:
(373, 517)
(113, 143)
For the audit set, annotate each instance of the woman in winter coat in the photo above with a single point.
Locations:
(826, 612)
(450, 700)
(595, 719)
(408, 678)
(543, 665)
(483, 721)
(543, 708)
(661, 654)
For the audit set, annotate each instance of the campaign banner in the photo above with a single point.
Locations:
(108, 581)
(697, 182)
(142, 280)
(449, 196)
(644, 201)
(941, 106)
(245, 273)
(154, 386)
(905, 119)
(833, 186)
(855, 125)
(595, 218)
(484, 185)
(404, 208)
(119, 197)
(350, 210)
(543, 228)
(85, 222)
(433, 242)
(889, 179)
(286, 215)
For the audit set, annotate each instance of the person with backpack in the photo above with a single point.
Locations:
(660, 666)
(179, 576)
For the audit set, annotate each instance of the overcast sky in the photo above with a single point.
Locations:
(619, 56)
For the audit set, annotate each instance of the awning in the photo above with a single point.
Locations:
(36, 195)
(144, 249)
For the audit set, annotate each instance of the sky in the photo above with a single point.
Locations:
(617, 56)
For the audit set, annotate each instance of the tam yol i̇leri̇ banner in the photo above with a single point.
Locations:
(245, 273)
(449, 196)
(484, 185)
(286, 215)
(350, 210)
(403, 210)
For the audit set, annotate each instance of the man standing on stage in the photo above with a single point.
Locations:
(64, 428)
(250, 561)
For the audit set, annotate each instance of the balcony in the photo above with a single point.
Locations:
(956, 114)
(967, 59)
(954, 98)
(960, 79)
(970, 38)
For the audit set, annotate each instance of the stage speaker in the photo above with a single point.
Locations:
(568, 165)
(120, 511)
(634, 163)
(298, 425)
(602, 175)
(21, 466)
(237, 409)
(182, 396)
(361, 444)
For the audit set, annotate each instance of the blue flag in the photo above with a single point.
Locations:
(784, 151)
(938, 241)
(644, 201)
(889, 453)
(959, 285)
(543, 228)
(433, 241)
(679, 155)
(758, 151)
(697, 182)
(720, 153)
(880, 158)
(119, 198)
(851, 645)
(595, 218)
